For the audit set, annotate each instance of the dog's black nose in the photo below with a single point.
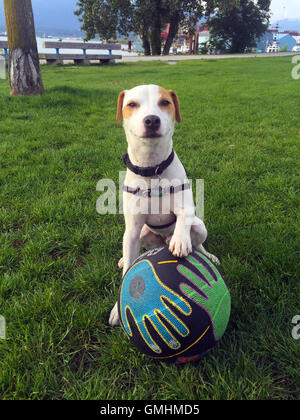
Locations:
(152, 122)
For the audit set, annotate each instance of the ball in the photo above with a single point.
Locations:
(174, 309)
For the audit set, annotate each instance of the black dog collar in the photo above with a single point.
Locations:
(150, 170)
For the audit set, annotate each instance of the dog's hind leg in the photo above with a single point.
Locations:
(210, 256)
(150, 240)
(198, 236)
(131, 248)
(114, 319)
(121, 263)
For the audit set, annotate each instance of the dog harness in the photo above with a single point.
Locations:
(158, 192)
(149, 172)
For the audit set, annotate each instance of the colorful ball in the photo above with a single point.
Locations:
(174, 309)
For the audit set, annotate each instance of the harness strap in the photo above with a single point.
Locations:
(163, 226)
(159, 192)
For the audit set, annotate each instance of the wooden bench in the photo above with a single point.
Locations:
(83, 58)
(4, 46)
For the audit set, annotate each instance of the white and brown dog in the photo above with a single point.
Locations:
(157, 198)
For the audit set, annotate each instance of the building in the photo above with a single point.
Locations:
(286, 41)
(203, 36)
(283, 40)
(264, 41)
(183, 43)
(296, 48)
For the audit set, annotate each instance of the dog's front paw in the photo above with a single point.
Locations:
(180, 246)
(114, 316)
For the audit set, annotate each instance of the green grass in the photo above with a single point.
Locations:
(58, 256)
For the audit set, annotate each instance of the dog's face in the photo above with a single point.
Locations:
(149, 112)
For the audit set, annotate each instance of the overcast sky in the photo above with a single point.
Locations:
(285, 9)
(281, 9)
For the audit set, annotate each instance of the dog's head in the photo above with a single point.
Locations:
(149, 112)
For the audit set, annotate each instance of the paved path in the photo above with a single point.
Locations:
(202, 57)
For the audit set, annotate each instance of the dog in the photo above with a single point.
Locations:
(157, 198)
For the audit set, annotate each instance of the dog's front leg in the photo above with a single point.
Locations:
(131, 249)
(180, 244)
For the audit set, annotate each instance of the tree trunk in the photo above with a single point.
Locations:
(191, 43)
(24, 66)
(146, 42)
(173, 30)
(156, 35)
(196, 44)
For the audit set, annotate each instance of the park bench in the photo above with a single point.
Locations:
(84, 58)
(4, 46)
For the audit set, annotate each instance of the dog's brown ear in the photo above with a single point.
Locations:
(177, 105)
(120, 106)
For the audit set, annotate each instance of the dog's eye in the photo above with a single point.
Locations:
(132, 105)
(165, 102)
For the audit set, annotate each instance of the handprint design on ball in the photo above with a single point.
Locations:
(204, 284)
(149, 301)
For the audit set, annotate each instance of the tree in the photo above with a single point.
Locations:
(147, 18)
(234, 23)
(235, 28)
(187, 13)
(24, 66)
(174, 21)
(184, 13)
(108, 18)
(159, 12)
(105, 17)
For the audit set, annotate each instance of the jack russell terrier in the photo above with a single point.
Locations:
(157, 198)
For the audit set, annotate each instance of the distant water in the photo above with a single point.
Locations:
(136, 46)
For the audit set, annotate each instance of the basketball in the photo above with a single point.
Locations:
(174, 309)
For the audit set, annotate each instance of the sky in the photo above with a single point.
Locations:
(281, 9)
(285, 9)
(58, 14)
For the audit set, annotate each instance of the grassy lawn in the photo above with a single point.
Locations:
(58, 257)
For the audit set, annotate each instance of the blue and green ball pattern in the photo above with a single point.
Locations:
(174, 309)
